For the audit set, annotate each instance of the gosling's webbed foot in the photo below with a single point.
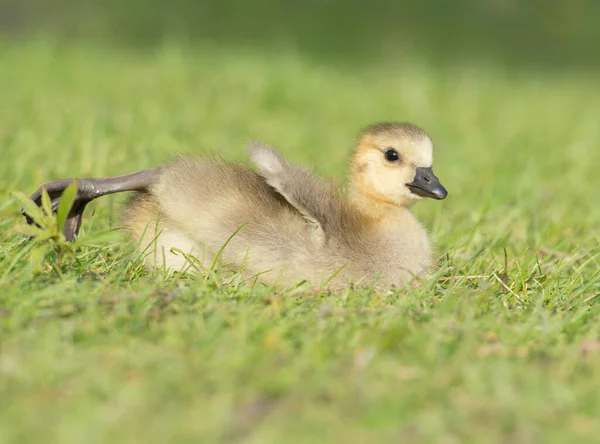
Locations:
(88, 190)
(55, 189)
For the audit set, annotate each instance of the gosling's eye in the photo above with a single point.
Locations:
(392, 155)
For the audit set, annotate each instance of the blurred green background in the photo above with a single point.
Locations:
(552, 34)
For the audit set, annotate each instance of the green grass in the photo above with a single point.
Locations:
(93, 349)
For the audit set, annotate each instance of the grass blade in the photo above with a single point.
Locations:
(66, 203)
(218, 255)
(29, 207)
(46, 203)
(335, 273)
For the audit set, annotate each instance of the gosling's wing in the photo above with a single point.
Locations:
(317, 201)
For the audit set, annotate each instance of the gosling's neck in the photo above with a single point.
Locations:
(374, 207)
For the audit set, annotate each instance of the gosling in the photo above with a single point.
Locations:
(279, 223)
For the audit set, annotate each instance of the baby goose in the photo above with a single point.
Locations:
(289, 224)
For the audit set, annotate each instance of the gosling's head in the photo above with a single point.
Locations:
(393, 164)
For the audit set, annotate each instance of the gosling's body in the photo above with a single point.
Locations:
(295, 226)
(276, 240)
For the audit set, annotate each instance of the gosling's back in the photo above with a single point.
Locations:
(198, 203)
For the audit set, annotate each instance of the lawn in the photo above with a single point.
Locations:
(502, 345)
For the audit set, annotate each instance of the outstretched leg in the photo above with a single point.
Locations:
(90, 189)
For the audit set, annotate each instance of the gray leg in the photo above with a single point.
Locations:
(90, 189)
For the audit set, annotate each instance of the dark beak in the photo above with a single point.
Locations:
(426, 184)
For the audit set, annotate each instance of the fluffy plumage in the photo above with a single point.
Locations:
(295, 226)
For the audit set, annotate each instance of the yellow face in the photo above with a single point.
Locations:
(395, 167)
